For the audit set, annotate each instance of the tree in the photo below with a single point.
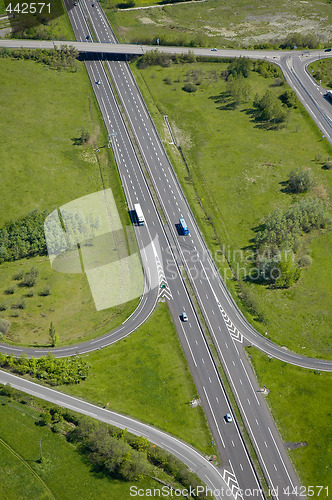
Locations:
(300, 181)
(239, 66)
(289, 98)
(288, 273)
(54, 339)
(270, 108)
(238, 89)
(84, 136)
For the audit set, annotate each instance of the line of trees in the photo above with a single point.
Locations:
(155, 58)
(64, 58)
(278, 239)
(120, 454)
(54, 371)
(23, 237)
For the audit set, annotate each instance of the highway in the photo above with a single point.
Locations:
(207, 285)
(225, 322)
(207, 378)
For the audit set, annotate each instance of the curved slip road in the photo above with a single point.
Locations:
(205, 470)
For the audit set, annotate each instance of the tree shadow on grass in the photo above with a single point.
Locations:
(226, 101)
(255, 117)
(77, 141)
(286, 187)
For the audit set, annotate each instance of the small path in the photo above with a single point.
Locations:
(21, 459)
(162, 5)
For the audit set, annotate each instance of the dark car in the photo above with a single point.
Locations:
(87, 37)
(327, 50)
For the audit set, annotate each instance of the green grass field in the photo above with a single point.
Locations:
(235, 164)
(146, 376)
(322, 72)
(300, 401)
(222, 24)
(64, 473)
(74, 317)
(42, 112)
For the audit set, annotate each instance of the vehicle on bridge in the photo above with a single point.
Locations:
(183, 226)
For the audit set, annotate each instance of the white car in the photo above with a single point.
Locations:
(184, 316)
(214, 49)
(98, 82)
(228, 417)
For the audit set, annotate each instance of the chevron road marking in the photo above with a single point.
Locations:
(233, 485)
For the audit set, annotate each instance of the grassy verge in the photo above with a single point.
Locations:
(63, 473)
(147, 377)
(235, 163)
(322, 72)
(42, 117)
(302, 411)
(233, 23)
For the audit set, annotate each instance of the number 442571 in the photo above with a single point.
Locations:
(29, 8)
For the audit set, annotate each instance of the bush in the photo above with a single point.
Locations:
(282, 230)
(19, 304)
(18, 276)
(3, 307)
(126, 5)
(30, 278)
(4, 326)
(46, 291)
(328, 165)
(278, 82)
(10, 290)
(189, 87)
(305, 261)
(54, 371)
(300, 181)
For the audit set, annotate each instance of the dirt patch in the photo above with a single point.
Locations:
(294, 446)
(146, 20)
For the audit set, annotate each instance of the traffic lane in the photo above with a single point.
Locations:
(310, 99)
(217, 405)
(99, 22)
(209, 474)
